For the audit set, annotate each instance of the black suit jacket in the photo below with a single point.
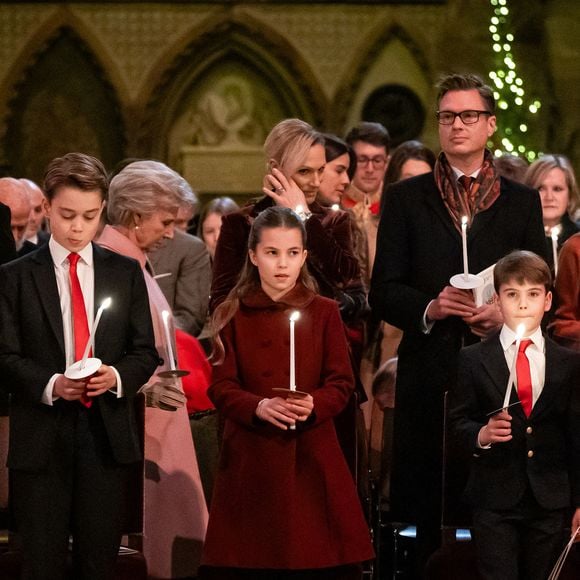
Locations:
(32, 351)
(418, 250)
(7, 245)
(545, 448)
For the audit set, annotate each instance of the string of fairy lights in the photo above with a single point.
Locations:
(518, 111)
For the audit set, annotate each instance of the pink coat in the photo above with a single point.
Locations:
(175, 512)
(284, 499)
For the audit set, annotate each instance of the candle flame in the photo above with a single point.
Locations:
(464, 220)
(555, 232)
(335, 207)
(165, 315)
(106, 303)
(520, 330)
(295, 316)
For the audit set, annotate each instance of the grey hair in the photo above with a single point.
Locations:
(144, 187)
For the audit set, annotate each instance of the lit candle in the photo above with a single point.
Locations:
(519, 335)
(293, 318)
(165, 316)
(464, 244)
(91, 342)
(554, 235)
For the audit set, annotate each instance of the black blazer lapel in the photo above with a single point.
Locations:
(482, 220)
(105, 287)
(555, 372)
(433, 200)
(47, 290)
(494, 363)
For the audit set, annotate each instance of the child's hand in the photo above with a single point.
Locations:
(103, 380)
(302, 406)
(68, 389)
(497, 430)
(277, 411)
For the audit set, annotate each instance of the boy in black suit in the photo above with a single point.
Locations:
(73, 444)
(525, 473)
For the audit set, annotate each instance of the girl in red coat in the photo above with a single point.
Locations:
(284, 503)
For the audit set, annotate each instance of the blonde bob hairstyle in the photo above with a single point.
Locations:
(538, 170)
(144, 187)
(288, 144)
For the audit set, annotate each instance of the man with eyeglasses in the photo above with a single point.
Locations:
(418, 250)
(370, 142)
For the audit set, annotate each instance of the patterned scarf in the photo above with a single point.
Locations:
(458, 201)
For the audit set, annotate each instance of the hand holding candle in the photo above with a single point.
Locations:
(91, 342)
(519, 335)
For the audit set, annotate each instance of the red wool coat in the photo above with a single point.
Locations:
(284, 499)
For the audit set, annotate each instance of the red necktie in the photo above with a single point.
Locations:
(524, 377)
(80, 322)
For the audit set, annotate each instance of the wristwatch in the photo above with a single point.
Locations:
(303, 214)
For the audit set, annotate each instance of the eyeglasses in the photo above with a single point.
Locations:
(467, 117)
(377, 161)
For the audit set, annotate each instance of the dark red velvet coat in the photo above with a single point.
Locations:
(284, 499)
(330, 260)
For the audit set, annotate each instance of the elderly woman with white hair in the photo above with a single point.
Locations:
(144, 198)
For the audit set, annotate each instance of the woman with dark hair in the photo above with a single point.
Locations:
(284, 504)
(340, 167)
(210, 221)
(408, 159)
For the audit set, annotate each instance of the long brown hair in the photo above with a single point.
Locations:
(249, 281)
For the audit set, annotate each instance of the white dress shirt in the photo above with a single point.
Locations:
(86, 276)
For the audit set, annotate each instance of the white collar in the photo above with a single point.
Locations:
(459, 173)
(60, 254)
(507, 337)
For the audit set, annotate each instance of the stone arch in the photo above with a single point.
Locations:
(46, 88)
(348, 97)
(235, 38)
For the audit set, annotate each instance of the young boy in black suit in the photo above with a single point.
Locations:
(525, 473)
(73, 444)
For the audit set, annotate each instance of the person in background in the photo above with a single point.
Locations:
(181, 267)
(565, 327)
(407, 160)
(14, 194)
(7, 245)
(144, 198)
(370, 142)
(339, 169)
(210, 221)
(35, 233)
(553, 176)
(512, 167)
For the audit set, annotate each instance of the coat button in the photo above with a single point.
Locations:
(529, 430)
(530, 453)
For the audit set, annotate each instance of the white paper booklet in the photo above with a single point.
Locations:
(486, 292)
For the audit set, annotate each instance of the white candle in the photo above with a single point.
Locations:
(464, 244)
(519, 335)
(91, 342)
(165, 316)
(293, 318)
(554, 235)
